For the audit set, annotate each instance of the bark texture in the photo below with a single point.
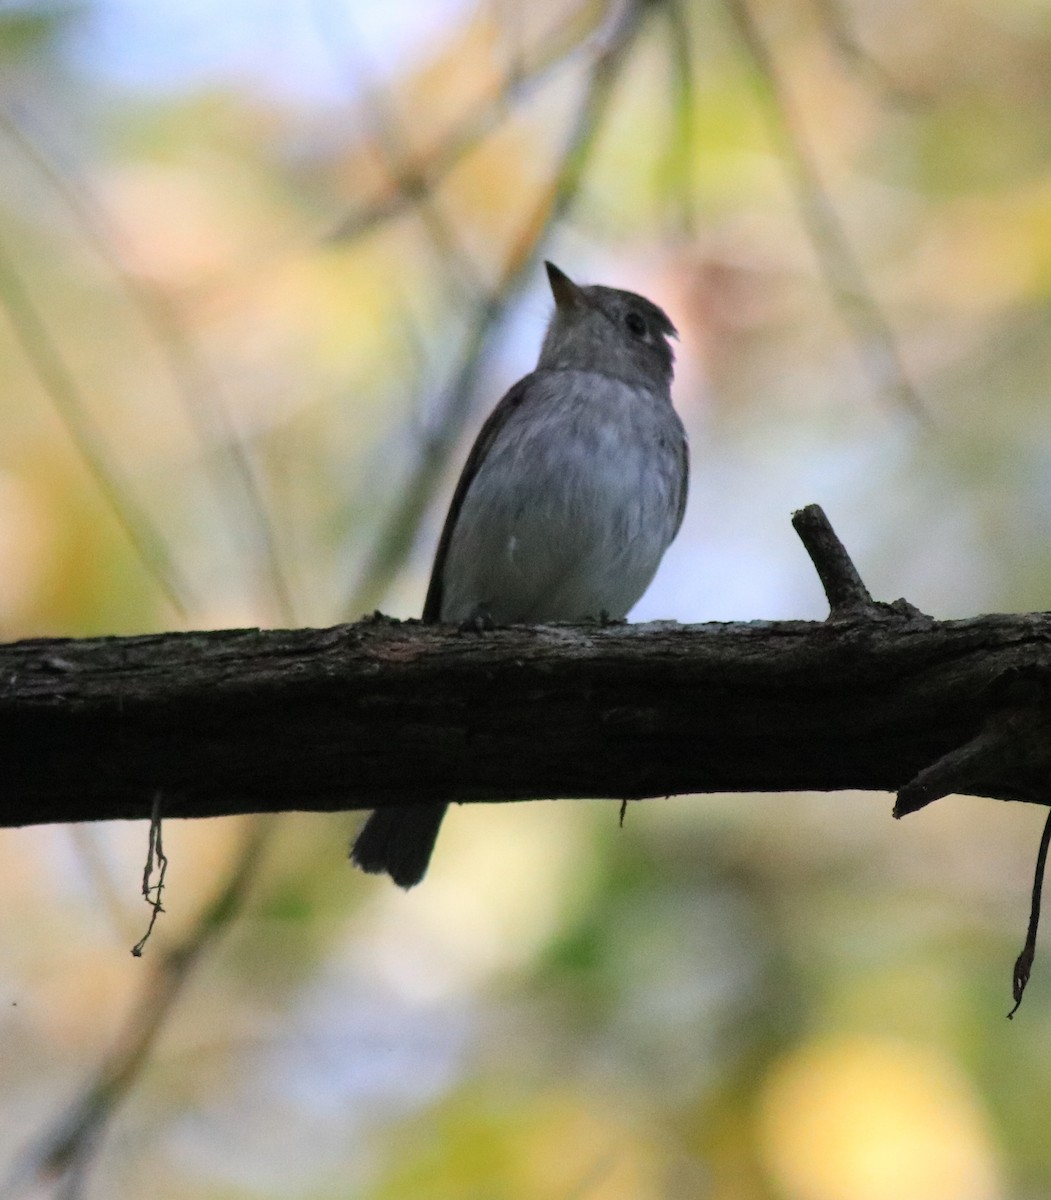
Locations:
(381, 712)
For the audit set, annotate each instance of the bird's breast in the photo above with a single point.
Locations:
(572, 507)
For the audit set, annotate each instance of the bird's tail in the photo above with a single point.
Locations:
(399, 841)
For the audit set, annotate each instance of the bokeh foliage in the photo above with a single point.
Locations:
(261, 272)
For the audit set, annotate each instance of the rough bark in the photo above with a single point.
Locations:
(383, 712)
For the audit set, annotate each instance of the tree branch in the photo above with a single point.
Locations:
(384, 712)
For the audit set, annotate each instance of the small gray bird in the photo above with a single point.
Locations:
(572, 492)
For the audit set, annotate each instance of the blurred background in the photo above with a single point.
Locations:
(263, 268)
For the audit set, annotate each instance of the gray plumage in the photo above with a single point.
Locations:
(573, 490)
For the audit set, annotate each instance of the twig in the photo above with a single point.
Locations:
(153, 893)
(1024, 962)
(960, 771)
(848, 598)
(846, 593)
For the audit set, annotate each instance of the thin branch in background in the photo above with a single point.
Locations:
(388, 141)
(398, 534)
(67, 1147)
(74, 1183)
(509, 19)
(430, 168)
(223, 449)
(682, 135)
(875, 339)
(60, 385)
(840, 31)
(391, 146)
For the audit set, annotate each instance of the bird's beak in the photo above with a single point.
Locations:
(565, 291)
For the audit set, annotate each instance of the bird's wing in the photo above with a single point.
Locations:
(487, 435)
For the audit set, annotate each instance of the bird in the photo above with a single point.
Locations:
(574, 488)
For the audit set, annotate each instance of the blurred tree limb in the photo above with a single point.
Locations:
(60, 383)
(873, 334)
(232, 472)
(877, 697)
(65, 1149)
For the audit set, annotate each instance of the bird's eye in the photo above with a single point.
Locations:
(635, 324)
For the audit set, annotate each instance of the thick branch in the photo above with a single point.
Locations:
(383, 712)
